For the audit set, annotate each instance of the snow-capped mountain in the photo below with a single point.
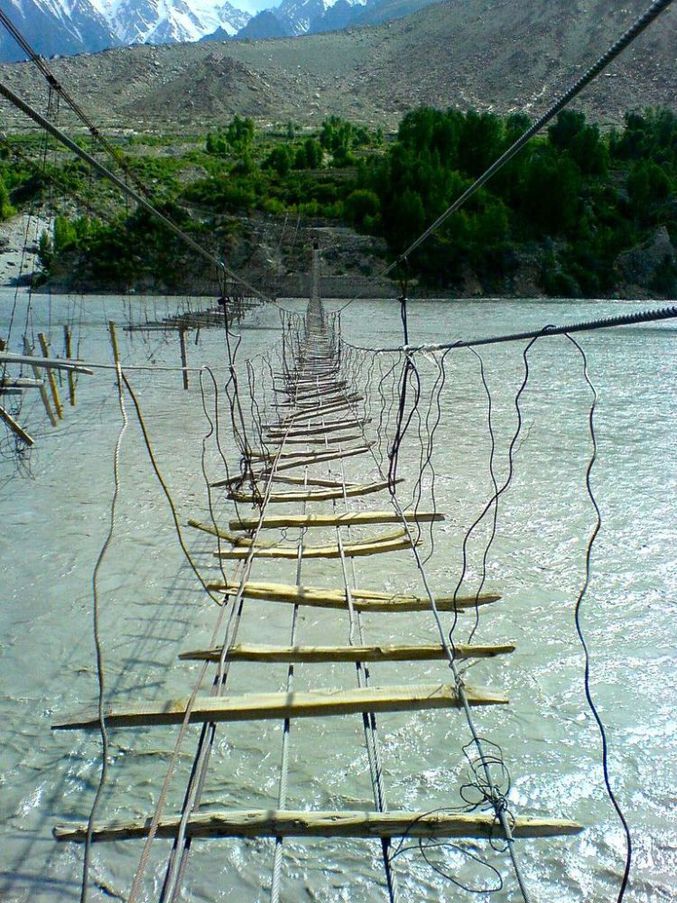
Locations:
(55, 26)
(77, 26)
(297, 17)
(303, 16)
(170, 21)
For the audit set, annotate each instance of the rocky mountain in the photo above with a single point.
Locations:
(262, 26)
(66, 27)
(499, 55)
(54, 26)
(170, 21)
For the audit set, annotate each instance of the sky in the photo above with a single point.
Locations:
(254, 6)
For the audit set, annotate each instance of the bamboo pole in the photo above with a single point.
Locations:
(56, 398)
(69, 354)
(363, 599)
(333, 823)
(381, 652)
(265, 706)
(8, 357)
(15, 427)
(43, 391)
(184, 360)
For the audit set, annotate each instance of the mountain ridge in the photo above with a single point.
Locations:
(499, 55)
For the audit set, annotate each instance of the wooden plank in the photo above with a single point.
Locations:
(347, 519)
(277, 432)
(43, 391)
(312, 415)
(363, 599)
(267, 706)
(21, 383)
(310, 481)
(319, 495)
(325, 823)
(291, 481)
(321, 457)
(15, 427)
(382, 652)
(313, 440)
(239, 540)
(374, 546)
(305, 453)
(56, 398)
(234, 538)
(42, 362)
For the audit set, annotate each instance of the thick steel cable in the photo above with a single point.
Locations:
(54, 85)
(638, 26)
(645, 316)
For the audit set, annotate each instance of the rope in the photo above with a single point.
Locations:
(579, 629)
(97, 641)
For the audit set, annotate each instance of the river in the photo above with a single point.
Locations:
(55, 512)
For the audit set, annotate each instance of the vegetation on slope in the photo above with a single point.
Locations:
(574, 206)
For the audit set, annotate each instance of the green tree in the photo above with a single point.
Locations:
(6, 208)
(360, 205)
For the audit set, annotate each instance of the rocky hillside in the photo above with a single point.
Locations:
(500, 55)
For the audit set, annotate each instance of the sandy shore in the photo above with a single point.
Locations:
(19, 248)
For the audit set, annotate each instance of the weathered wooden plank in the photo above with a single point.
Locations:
(373, 546)
(337, 426)
(314, 440)
(363, 599)
(332, 823)
(346, 519)
(20, 383)
(266, 706)
(319, 495)
(291, 481)
(302, 416)
(15, 427)
(321, 457)
(382, 652)
(287, 454)
(43, 362)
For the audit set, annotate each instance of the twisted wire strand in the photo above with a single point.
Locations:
(578, 610)
(98, 645)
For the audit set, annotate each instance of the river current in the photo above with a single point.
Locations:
(55, 513)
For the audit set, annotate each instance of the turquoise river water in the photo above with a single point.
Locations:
(54, 512)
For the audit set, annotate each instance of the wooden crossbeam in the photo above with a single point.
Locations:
(15, 427)
(44, 362)
(363, 599)
(313, 440)
(266, 706)
(347, 519)
(318, 495)
(320, 412)
(335, 426)
(320, 457)
(332, 823)
(382, 652)
(290, 481)
(373, 546)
